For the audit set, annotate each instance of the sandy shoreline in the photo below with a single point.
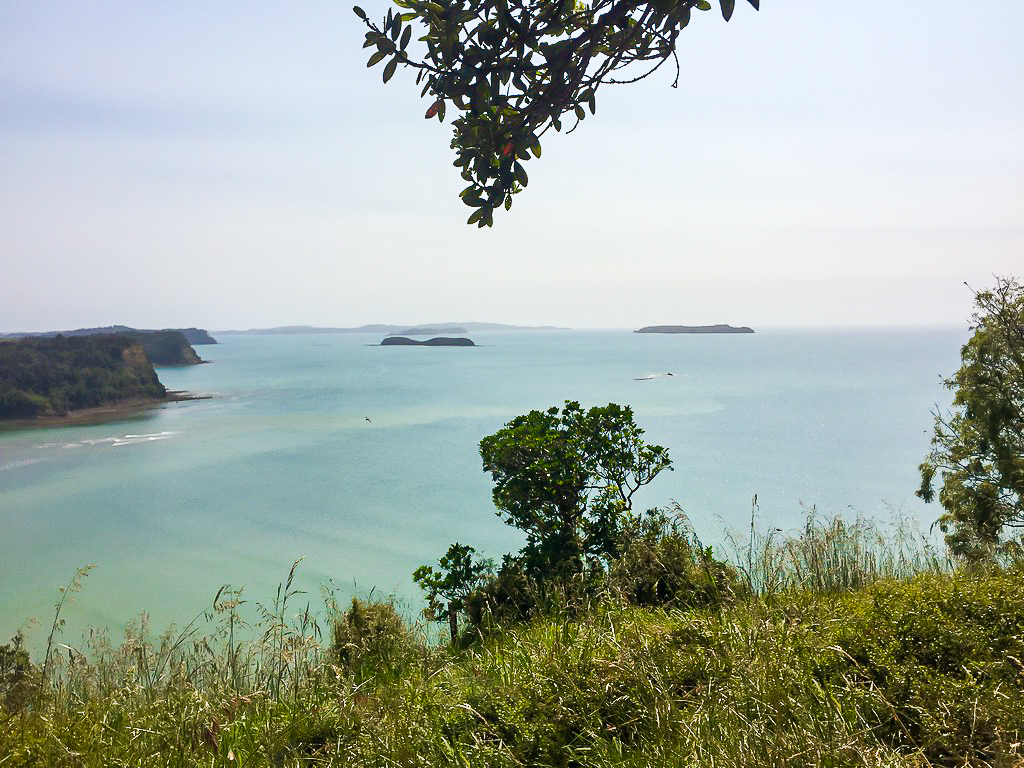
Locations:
(102, 413)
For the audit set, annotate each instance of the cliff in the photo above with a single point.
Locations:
(440, 341)
(166, 347)
(694, 329)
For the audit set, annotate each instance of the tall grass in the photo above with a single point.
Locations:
(880, 654)
(831, 554)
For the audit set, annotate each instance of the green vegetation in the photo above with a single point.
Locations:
(513, 69)
(566, 477)
(40, 377)
(978, 450)
(914, 665)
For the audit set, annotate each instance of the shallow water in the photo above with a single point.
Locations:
(363, 459)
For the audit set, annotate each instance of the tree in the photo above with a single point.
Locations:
(978, 449)
(461, 573)
(567, 479)
(514, 68)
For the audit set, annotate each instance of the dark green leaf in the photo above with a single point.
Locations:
(389, 70)
(521, 176)
(406, 36)
(377, 57)
(359, 12)
(727, 8)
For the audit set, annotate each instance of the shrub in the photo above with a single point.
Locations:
(18, 676)
(662, 563)
(945, 653)
(371, 638)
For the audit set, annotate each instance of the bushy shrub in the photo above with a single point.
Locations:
(661, 562)
(513, 596)
(18, 676)
(946, 653)
(370, 638)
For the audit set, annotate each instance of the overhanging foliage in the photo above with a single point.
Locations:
(514, 69)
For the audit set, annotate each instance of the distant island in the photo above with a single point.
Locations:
(417, 330)
(440, 341)
(194, 336)
(47, 377)
(694, 329)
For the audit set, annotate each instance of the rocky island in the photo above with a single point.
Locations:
(439, 341)
(694, 329)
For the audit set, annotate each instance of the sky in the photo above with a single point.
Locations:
(235, 165)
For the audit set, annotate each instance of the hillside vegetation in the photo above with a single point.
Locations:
(836, 648)
(42, 377)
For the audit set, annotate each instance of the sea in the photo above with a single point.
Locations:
(362, 461)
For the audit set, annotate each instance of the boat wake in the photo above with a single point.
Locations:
(652, 376)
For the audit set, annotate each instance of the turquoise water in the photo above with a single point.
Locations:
(363, 459)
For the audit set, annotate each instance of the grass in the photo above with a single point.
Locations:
(850, 648)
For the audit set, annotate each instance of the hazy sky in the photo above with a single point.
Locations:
(236, 165)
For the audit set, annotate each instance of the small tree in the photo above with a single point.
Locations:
(566, 477)
(461, 573)
(978, 449)
(513, 69)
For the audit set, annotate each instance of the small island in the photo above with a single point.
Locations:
(694, 329)
(438, 341)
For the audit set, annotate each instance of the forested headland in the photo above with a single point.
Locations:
(52, 377)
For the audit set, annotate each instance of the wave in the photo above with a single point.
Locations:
(112, 441)
(16, 464)
(132, 439)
